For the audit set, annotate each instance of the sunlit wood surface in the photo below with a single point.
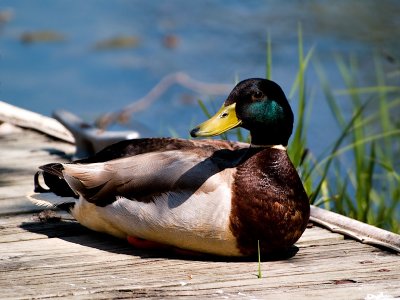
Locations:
(58, 258)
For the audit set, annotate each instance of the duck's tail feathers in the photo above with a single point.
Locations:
(51, 190)
(54, 169)
(52, 201)
(53, 179)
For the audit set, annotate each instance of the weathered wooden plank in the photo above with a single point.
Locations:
(15, 228)
(17, 205)
(94, 265)
(62, 259)
(44, 266)
(20, 155)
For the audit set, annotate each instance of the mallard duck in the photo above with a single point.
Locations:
(207, 196)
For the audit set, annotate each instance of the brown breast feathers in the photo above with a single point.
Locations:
(269, 203)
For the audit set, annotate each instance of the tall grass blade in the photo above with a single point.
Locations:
(259, 275)
(269, 57)
(334, 150)
(204, 108)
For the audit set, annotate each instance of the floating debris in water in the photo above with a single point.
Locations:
(171, 41)
(118, 42)
(41, 36)
(6, 15)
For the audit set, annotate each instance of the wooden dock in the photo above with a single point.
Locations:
(49, 255)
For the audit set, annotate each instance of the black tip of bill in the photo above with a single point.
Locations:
(194, 131)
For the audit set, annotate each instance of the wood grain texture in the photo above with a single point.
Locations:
(20, 155)
(59, 258)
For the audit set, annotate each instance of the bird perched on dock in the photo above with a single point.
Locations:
(207, 196)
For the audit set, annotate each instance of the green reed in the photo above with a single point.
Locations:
(370, 189)
(358, 173)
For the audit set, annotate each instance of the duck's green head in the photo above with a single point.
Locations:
(258, 105)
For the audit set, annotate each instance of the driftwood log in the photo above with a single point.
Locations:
(28, 119)
(360, 231)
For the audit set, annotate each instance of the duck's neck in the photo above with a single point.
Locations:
(254, 149)
(279, 147)
(271, 138)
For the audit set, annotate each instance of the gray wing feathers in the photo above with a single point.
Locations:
(131, 177)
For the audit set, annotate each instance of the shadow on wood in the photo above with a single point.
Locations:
(58, 226)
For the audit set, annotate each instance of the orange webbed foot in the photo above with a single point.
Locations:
(145, 244)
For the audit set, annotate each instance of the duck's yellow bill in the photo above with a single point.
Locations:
(222, 121)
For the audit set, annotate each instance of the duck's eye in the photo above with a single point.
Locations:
(258, 95)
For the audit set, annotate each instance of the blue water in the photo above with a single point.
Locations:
(218, 41)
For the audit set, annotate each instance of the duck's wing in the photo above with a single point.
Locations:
(142, 169)
(134, 147)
